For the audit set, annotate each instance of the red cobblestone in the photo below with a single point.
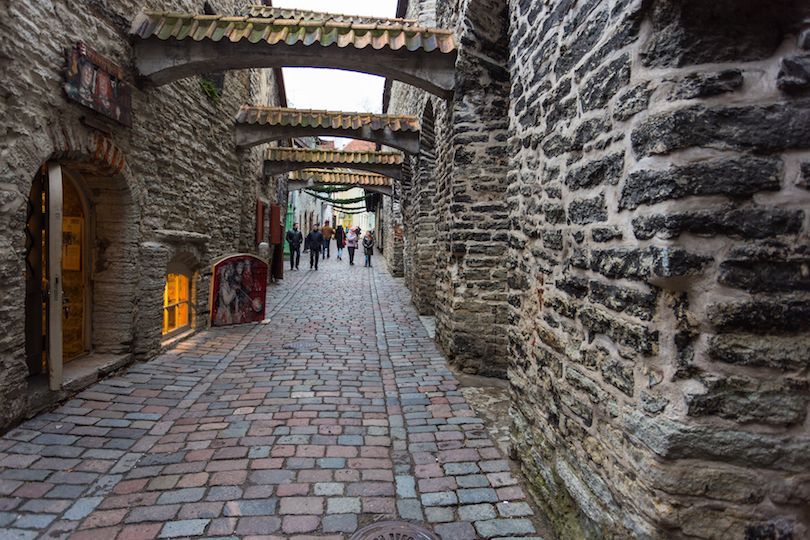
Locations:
(290, 430)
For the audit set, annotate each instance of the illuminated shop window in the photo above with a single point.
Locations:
(176, 305)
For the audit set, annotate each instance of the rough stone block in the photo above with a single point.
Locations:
(794, 76)
(675, 440)
(761, 316)
(606, 170)
(746, 401)
(733, 177)
(632, 101)
(784, 353)
(756, 128)
(749, 223)
(605, 83)
(624, 300)
(693, 32)
(634, 336)
(584, 211)
(772, 269)
(703, 85)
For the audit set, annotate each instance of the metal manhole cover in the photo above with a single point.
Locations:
(393, 530)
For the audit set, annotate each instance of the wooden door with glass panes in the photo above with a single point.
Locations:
(176, 304)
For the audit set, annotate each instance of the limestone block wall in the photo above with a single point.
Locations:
(468, 207)
(182, 173)
(659, 293)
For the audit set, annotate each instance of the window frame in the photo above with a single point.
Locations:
(175, 270)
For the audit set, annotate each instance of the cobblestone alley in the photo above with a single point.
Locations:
(338, 413)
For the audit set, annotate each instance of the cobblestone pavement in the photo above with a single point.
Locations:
(338, 413)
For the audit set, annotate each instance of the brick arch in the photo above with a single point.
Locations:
(88, 147)
(99, 167)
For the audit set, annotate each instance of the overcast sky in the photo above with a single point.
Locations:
(331, 89)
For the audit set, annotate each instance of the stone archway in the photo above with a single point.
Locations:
(172, 46)
(91, 220)
(420, 239)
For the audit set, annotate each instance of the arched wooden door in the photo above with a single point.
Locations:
(57, 274)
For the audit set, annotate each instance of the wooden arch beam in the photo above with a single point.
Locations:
(391, 171)
(284, 160)
(260, 124)
(374, 183)
(172, 46)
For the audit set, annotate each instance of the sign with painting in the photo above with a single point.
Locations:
(238, 290)
(97, 83)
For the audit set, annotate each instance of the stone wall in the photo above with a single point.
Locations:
(659, 263)
(394, 234)
(468, 206)
(184, 187)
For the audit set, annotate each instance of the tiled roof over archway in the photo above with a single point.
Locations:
(279, 116)
(333, 157)
(170, 46)
(342, 178)
(258, 124)
(325, 31)
(270, 12)
(284, 160)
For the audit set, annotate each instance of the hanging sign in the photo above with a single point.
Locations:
(238, 290)
(97, 83)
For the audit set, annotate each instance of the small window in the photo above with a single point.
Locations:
(176, 304)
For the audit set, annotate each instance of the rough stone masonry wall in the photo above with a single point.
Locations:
(660, 265)
(419, 252)
(394, 234)
(468, 207)
(186, 193)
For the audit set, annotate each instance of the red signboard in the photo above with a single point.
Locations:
(238, 290)
(97, 83)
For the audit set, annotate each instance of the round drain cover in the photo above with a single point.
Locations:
(393, 530)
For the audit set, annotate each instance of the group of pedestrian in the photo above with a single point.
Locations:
(319, 242)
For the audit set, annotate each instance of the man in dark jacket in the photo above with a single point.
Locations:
(315, 241)
(294, 239)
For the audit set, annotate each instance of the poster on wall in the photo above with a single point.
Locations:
(97, 83)
(239, 285)
(72, 244)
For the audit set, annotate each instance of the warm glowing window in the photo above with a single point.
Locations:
(176, 306)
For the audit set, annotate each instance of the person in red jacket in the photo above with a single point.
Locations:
(340, 241)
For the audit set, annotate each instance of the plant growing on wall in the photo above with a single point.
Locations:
(211, 89)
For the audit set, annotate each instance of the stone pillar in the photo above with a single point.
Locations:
(394, 234)
(461, 278)
(659, 287)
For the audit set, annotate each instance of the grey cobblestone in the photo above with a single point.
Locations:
(234, 434)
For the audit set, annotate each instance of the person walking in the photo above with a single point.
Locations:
(294, 239)
(306, 241)
(351, 244)
(368, 248)
(315, 241)
(327, 233)
(340, 241)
